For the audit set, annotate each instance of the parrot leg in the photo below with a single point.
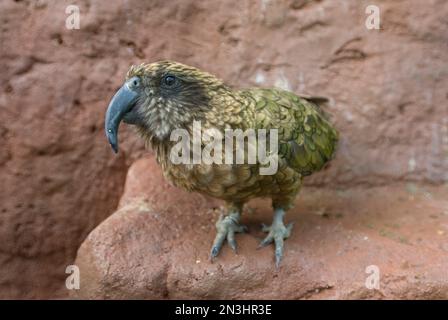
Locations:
(226, 228)
(277, 232)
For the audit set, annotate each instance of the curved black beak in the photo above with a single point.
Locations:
(121, 103)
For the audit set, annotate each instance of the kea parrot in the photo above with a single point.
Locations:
(163, 96)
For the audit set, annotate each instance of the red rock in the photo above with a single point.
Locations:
(156, 245)
(59, 177)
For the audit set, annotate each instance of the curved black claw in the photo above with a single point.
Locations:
(277, 233)
(226, 228)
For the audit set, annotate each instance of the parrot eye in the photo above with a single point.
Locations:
(169, 80)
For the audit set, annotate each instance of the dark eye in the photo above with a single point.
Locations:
(169, 80)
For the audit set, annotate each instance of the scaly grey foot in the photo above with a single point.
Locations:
(226, 228)
(277, 233)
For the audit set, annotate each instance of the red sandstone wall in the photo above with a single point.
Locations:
(59, 178)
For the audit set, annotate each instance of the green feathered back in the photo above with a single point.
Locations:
(307, 140)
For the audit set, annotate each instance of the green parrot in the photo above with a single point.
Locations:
(161, 97)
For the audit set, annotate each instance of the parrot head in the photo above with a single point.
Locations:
(160, 97)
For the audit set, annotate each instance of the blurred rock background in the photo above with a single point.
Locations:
(59, 179)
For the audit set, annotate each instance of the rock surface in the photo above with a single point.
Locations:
(59, 178)
(156, 245)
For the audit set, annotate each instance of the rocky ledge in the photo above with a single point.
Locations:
(156, 245)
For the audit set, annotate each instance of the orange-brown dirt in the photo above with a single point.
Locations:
(388, 96)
